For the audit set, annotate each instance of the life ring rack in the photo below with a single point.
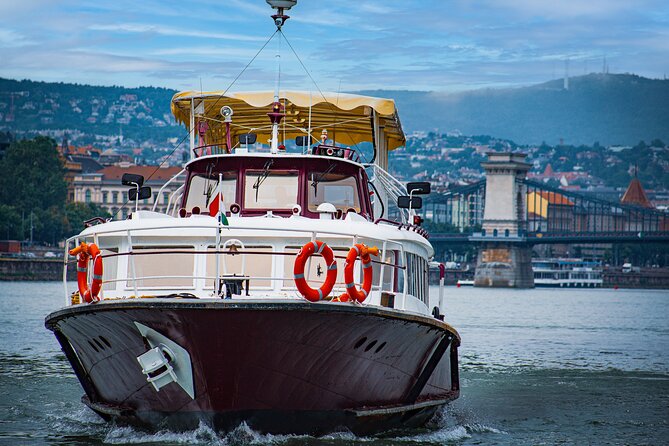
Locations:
(315, 247)
(83, 252)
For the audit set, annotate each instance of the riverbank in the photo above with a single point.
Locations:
(646, 278)
(34, 269)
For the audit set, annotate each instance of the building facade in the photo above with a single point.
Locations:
(104, 188)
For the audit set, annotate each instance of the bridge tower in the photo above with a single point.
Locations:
(504, 259)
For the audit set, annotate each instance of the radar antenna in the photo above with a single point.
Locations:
(281, 5)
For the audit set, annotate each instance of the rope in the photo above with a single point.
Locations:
(334, 110)
(210, 108)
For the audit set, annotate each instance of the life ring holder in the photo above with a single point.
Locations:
(315, 247)
(352, 293)
(83, 252)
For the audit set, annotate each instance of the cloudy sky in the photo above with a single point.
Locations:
(442, 45)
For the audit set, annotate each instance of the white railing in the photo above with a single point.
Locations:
(394, 189)
(163, 188)
(129, 238)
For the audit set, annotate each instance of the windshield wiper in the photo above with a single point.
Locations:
(208, 187)
(315, 181)
(263, 176)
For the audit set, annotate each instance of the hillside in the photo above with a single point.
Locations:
(607, 108)
(139, 113)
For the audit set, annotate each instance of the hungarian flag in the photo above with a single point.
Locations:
(214, 208)
(214, 205)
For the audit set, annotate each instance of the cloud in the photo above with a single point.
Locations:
(10, 38)
(431, 44)
(142, 28)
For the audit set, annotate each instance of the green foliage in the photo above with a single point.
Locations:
(77, 213)
(10, 222)
(33, 193)
(32, 175)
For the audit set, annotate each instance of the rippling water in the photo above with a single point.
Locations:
(537, 367)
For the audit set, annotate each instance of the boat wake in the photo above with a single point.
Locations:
(448, 426)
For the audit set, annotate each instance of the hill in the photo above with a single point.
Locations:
(607, 108)
(139, 113)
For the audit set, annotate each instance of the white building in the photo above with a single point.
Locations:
(105, 189)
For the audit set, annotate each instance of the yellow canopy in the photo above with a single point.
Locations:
(349, 119)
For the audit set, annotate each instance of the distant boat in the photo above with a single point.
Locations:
(567, 273)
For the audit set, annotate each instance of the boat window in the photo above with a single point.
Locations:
(335, 188)
(255, 263)
(389, 258)
(400, 273)
(417, 274)
(270, 190)
(110, 269)
(161, 267)
(204, 189)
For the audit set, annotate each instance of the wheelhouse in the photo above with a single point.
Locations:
(255, 184)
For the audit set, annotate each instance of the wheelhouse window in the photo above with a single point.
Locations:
(270, 189)
(338, 189)
(204, 189)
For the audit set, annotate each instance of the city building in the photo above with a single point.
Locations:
(105, 189)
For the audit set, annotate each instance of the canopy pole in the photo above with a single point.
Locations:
(309, 131)
(274, 148)
(191, 128)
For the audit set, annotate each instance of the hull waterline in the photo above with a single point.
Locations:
(284, 367)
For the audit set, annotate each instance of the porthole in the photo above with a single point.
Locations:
(370, 346)
(106, 342)
(360, 342)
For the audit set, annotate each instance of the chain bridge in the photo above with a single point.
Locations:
(506, 214)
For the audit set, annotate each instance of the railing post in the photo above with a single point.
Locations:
(218, 263)
(132, 264)
(66, 255)
(383, 266)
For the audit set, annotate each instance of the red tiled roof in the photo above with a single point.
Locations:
(636, 195)
(161, 174)
(555, 198)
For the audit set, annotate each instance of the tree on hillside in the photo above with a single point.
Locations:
(77, 213)
(32, 176)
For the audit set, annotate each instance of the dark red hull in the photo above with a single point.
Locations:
(281, 367)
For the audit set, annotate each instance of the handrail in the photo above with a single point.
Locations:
(185, 251)
(417, 229)
(176, 194)
(155, 203)
(129, 233)
(393, 188)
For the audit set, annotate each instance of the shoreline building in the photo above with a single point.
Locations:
(105, 189)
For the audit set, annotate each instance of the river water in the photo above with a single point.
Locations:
(537, 367)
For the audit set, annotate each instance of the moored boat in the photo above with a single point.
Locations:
(274, 290)
(567, 273)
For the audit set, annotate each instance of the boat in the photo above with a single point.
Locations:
(276, 290)
(567, 273)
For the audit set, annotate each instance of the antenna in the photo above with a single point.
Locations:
(277, 109)
(281, 5)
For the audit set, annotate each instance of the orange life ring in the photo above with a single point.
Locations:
(83, 252)
(352, 292)
(298, 270)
